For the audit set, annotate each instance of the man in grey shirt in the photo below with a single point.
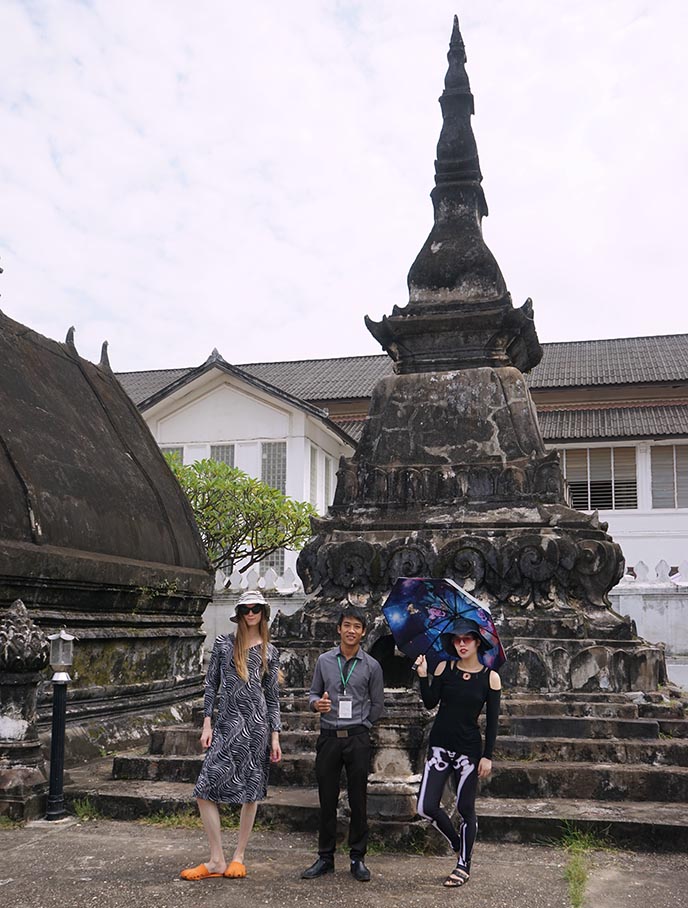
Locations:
(348, 692)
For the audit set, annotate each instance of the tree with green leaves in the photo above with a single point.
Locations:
(241, 520)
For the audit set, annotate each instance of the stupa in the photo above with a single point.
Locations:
(451, 477)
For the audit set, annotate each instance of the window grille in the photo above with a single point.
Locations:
(222, 454)
(274, 560)
(274, 465)
(314, 477)
(601, 478)
(178, 452)
(669, 476)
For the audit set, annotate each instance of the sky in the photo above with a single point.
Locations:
(255, 177)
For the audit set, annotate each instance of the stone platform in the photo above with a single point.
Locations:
(617, 764)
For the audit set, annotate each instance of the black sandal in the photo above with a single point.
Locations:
(458, 877)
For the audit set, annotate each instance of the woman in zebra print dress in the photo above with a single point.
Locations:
(245, 738)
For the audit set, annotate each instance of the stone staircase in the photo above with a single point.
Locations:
(615, 763)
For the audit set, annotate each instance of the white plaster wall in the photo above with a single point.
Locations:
(650, 536)
(660, 612)
(221, 414)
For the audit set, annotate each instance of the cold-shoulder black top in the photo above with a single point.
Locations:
(461, 696)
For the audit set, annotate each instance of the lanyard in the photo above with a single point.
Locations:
(345, 681)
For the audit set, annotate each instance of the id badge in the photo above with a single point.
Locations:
(346, 708)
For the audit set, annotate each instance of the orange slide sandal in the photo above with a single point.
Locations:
(197, 873)
(236, 870)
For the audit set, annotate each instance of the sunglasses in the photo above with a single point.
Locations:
(253, 609)
(471, 638)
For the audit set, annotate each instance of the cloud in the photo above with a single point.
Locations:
(256, 177)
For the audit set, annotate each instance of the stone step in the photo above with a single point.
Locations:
(647, 825)
(674, 728)
(661, 752)
(184, 740)
(603, 781)
(582, 727)
(670, 710)
(156, 768)
(175, 740)
(600, 709)
(293, 769)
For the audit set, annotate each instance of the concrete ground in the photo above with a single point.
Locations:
(110, 864)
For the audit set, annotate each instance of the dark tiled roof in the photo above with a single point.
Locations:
(325, 379)
(626, 360)
(142, 385)
(564, 365)
(352, 427)
(616, 422)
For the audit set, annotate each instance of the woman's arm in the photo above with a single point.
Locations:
(212, 679)
(212, 682)
(271, 688)
(430, 692)
(494, 694)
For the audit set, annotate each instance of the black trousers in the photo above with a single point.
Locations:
(354, 755)
(439, 766)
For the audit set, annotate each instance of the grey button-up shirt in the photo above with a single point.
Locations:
(365, 687)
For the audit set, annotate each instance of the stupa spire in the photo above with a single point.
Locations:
(457, 153)
(459, 313)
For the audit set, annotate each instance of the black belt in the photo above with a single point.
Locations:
(344, 732)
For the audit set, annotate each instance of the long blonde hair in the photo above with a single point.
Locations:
(241, 645)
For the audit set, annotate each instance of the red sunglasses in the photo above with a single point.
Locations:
(253, 609)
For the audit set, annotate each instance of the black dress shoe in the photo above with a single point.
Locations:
(360, 872)
(321, 866)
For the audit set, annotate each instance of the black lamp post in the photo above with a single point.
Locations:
(61, 647)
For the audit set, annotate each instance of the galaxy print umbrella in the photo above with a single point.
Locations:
(419, 610)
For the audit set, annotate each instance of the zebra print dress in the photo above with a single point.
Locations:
(237, 764)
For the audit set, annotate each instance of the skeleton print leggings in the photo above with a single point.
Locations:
(438, 767)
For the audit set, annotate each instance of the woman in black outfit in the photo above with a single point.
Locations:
(461, 688)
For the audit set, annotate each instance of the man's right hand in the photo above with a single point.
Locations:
(324, 704)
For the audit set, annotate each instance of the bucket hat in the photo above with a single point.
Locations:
(459, 627)
(251, 597)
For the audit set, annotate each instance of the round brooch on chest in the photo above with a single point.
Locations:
(466, 676)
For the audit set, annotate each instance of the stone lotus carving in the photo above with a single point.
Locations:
(532, 567)
(23, 645)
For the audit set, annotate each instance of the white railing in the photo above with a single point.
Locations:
(640, 573)
(657, 600)
(287, 584)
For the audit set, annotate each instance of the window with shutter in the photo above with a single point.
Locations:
(669, 476)
(601, 478)
(576, 471)
(625, 479)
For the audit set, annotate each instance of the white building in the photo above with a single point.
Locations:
(221, 412)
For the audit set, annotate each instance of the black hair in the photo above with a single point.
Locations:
(352, 611)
